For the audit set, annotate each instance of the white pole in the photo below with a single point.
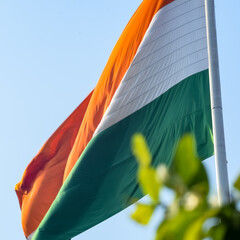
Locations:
(216, 104)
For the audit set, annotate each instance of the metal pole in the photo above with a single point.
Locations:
(216, 104)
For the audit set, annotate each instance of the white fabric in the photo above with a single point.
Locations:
(174, 48)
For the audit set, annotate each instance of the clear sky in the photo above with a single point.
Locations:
(51, 56)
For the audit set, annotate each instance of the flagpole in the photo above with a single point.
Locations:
(216, 105)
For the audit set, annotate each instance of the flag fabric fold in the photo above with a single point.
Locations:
(155, 82)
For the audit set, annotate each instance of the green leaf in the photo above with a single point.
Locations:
(185, 163)
(230, 218)
(188, 167)
(217, 232)
(148, 182)
(195, 229)
(140, 150)
(175, 228)
(237, 183)
(143, 213)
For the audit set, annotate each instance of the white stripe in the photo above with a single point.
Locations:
(30, 236)
(174, 48)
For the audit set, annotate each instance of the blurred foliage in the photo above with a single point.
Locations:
(191, 215)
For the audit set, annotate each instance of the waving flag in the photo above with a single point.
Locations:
(155, 82)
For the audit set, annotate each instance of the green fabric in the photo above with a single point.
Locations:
(103, 181)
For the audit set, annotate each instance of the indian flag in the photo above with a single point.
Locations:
(156, 82)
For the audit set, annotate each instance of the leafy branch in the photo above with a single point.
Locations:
(190, 215)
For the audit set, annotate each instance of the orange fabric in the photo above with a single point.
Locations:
(118, 63)
(48, 170)
(43, 177)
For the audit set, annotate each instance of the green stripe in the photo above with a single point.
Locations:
(103, 182)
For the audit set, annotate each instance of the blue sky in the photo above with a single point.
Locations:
(51, 56)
